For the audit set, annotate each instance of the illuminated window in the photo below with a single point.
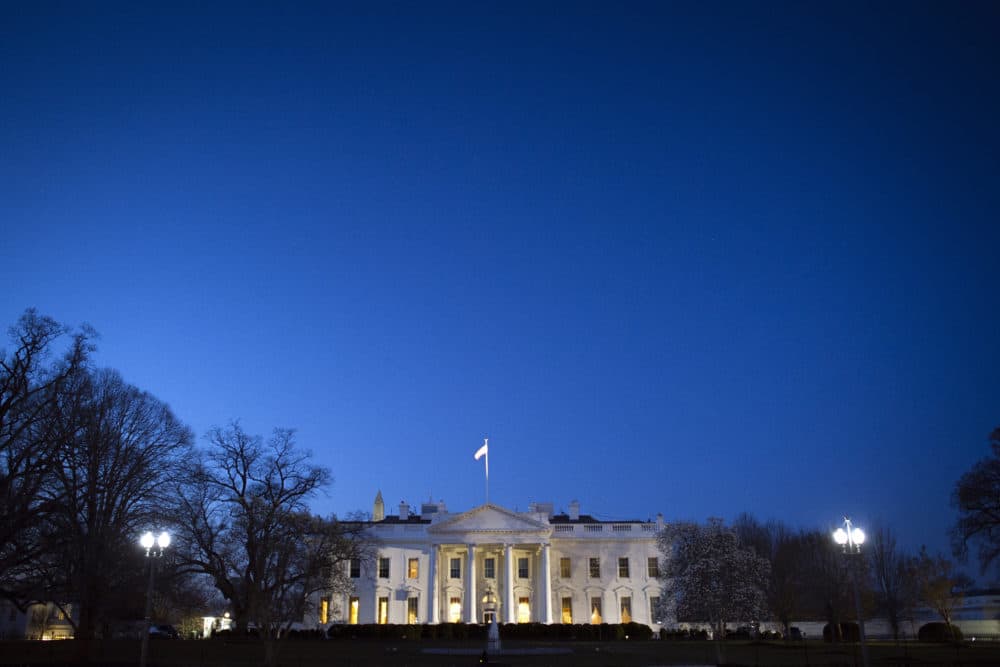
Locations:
(623, 568)
(383, 611)
(653, 567)
(654, 609)
(626, 610)
(564, 568)
(523, 610)
(522, 568)
(490, 568)
(383, 568)
(455, 610)
(413, 568)
(355, 568)
(412, 605)
(595, 568)
(352, 617)
(567, 610)
(456, 568)
(595, 611)
(324, 609)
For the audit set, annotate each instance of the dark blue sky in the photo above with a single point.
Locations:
(692, 259)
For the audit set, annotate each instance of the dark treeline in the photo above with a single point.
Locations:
(88, 462)
(751, 571)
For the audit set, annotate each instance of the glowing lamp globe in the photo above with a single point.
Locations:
(840, 536)
(163, 541)
(858, 536)
(147, 540)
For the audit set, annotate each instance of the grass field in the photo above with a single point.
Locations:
(236, 653)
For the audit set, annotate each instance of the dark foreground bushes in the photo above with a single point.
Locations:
(514, 631)
(939, 632)
(683, 634)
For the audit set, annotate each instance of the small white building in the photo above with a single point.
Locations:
(435, 566)
(41, 620)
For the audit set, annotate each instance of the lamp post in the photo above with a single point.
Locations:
(850, 538)
(148, 542)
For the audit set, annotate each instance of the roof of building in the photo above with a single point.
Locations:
(586, 518)
(394, 518)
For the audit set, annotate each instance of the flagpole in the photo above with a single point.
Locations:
(481, 452)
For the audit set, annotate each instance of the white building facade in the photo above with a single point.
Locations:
(537, 566)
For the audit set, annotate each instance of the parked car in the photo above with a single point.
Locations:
(796, 634)
(163, 632)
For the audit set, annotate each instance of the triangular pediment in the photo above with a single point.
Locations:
(491, 519)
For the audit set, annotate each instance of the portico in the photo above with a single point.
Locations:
(491, 547)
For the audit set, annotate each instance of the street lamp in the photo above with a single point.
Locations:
(850, 538)
(148, 542)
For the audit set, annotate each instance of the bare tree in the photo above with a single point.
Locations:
(940, 585)
(243, 520)
(895, 587)
(111, 481)
(977, 498)
(783, 548)
(786, 594)
(33, 382)
(826, 579)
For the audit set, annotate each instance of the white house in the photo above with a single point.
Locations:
(435, 566)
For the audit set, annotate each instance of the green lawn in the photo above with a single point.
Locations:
(223, 653)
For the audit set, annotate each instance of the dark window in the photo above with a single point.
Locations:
(456, 568)
(383, 568)
(522, 568)
(355, 568)
(623, 568)
(595, 568)
(653, 568)
(490, 568)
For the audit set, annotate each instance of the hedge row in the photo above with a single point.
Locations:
(579, 632)
(939, 632)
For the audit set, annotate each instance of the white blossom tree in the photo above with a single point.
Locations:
(709, 576)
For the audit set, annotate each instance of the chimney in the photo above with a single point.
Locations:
(574, 510)
(404, 510)
(659, 521)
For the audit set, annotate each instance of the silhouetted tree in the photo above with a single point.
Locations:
(783, 548)
(826, 579)
(895, 586)
(940, 585)
(977, 498)
(112, 480)
(34, 379)
(243, 520)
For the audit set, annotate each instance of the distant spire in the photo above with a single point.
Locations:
(378, 513)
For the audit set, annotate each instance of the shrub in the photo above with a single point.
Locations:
(939, 632)
(849, 632)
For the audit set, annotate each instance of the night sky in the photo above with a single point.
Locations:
(695, 259)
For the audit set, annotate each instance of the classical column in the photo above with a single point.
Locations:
(508, 593)
(432, 586)
(470, 585)
(546, 584)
